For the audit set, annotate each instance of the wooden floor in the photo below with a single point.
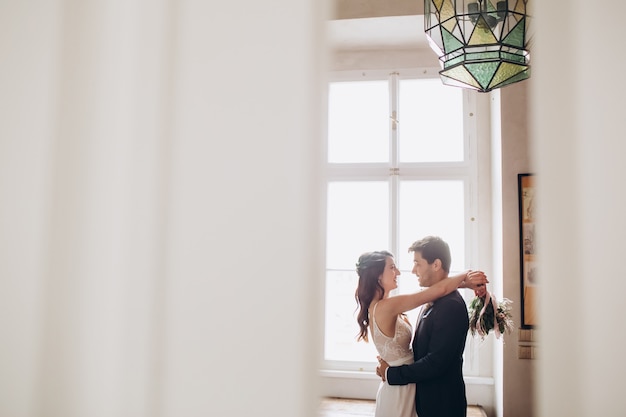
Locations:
(341, 407)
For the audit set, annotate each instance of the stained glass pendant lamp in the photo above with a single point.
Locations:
(481, 44)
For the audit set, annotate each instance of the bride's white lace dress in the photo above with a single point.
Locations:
(394, 400)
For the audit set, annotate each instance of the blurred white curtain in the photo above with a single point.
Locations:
(159, 207)
(579, 149)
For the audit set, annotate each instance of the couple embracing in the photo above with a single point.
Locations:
(424, 377)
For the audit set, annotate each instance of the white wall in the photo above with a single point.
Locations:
(159, 240)
(517, 375)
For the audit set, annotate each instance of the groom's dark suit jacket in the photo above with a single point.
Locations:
(438, 369)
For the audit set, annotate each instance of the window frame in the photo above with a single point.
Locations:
(467, 170)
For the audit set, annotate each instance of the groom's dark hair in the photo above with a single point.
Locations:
(432, 248)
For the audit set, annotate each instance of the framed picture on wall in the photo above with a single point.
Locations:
(528, 279)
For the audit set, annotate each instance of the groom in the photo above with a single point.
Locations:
(439, 340)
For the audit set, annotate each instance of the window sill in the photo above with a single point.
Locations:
(369, 375)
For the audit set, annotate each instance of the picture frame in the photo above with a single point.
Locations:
(528, 276)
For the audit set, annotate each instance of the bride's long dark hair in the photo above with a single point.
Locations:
(369, 268)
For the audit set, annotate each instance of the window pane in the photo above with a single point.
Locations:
(357, 221)
(432, 208)
(341, 327)
(358, 122)
(431, 121)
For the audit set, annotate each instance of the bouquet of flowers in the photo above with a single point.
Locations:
(486, 314)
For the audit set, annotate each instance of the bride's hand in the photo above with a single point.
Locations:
(475, 280)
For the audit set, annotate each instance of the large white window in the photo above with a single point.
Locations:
(401, 165)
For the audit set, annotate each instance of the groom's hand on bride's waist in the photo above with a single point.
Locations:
(381, 369)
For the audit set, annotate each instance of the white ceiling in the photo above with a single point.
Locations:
(391, 32)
